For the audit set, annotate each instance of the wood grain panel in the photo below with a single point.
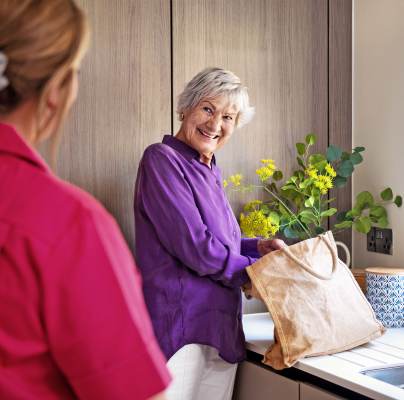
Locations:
(279, 50)
(340, 94)
(123, 103)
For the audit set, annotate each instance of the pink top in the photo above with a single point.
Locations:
(73, 323)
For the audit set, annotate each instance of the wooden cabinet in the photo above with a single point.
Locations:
(258, 383)
(123, 103)
(310, 392)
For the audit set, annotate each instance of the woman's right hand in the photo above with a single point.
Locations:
(250, 291)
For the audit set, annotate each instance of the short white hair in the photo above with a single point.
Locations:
(212, 82)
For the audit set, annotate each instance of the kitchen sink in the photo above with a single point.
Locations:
(393, 374)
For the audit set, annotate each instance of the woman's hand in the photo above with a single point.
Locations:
(250, 291)
(265, 246)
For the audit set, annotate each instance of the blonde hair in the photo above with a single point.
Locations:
(213, 82)
(42, 40)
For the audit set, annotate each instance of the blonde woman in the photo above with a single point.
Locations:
(188, 243)
(73, 323)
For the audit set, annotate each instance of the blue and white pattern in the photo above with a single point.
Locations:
(385, 293)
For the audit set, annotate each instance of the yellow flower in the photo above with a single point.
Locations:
(330, 170)
(225, 183)
(267, 170)
(324, 183)
(268, 163)
(252, 205)
(236, 179)
(312, 172)
(257, 224)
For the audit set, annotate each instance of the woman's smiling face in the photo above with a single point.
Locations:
(208, 126)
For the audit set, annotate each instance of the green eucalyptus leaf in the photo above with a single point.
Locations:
(300, 162)
(308, 217)
(364, 200)
(320, 165)
(333, 153)
(341, 216)
(345, 156)
(363, 224)
(328, 213)
(274, 218)
(288, 187)
(387, 194)
(265, 209)
(383, 222)
(319, 230)
(398, 201)
(283, 211)
(345, 169)
(301, 148)
(305, 183)
(355, 212)
(377, 212)
(340, 181)
(316, 158)
(284, 221)
(359, 149)
(315, 192)
(300, 175)
(311, 139)
(309, 202)
(356, 158)
(290, 233)
(344, 224)
(329, 200)
(308, 214)
(293, 178)
(277, 176)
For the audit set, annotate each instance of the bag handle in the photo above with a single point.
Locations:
(310, 270)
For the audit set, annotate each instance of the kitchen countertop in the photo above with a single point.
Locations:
(342, 368)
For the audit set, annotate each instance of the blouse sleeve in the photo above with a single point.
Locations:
(249, 247)
(167, 199)
(98, 328)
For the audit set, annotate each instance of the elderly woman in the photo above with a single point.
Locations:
(188, 242)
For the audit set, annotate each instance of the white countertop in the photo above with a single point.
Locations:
(342, 368)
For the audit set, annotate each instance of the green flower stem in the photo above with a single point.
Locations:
(298, 190)
(289, 211)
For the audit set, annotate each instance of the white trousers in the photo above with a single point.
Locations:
(200, 374)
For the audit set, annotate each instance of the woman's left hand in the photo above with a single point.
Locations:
(265, 246)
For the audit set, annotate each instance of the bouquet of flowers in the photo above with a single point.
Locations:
(298, 207)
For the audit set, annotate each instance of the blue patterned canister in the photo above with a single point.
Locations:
(385, 293)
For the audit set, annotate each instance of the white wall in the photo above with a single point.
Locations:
(378, 114)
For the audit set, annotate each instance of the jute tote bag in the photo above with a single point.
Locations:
(315, 302)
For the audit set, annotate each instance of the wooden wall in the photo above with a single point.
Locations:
(293, 55)
(123, 103)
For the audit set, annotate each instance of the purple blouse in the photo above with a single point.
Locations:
(189, 251)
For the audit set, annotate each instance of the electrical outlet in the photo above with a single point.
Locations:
(380, 240)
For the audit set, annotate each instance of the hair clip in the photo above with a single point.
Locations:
(3, 65)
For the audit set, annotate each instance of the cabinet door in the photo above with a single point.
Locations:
(123, 103)
(309, 392)
(259, 383)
